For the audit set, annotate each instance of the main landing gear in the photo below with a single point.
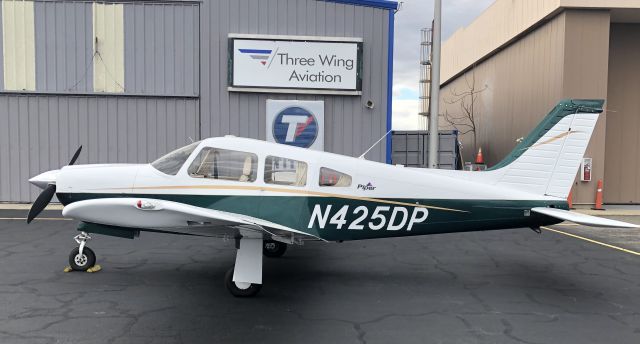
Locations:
(245, 278)
(240, 289)
(82, 257)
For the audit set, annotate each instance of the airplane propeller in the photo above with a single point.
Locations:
(47, 194)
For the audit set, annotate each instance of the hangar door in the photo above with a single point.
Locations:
(622, 151)
(120, 78)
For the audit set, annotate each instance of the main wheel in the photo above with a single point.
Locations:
(273, 249)
(239, 289)
(82, 262)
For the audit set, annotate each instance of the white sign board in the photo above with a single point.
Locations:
(295, 65)
(296, 123)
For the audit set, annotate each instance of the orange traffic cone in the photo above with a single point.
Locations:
(598, 196)
(479, 157)
(570, 199)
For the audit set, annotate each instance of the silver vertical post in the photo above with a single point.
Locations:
(435, 86)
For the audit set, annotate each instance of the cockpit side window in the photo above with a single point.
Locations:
(224, 164)
(329, 177)
(283, 171)
(171, 163)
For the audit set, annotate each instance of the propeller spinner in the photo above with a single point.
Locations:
(46, 181)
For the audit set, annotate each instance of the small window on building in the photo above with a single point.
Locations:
(171, 163)
(283, 171)
(329, 177)
(224, 164)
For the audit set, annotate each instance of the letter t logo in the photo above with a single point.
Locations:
(294, 124)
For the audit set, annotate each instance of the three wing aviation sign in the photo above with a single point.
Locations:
(268, 65)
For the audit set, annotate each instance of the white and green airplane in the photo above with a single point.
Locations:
(266, 196)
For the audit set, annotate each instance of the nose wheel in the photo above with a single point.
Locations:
(82, 258)
(82, 261)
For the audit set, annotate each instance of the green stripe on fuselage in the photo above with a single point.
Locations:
(296, 211)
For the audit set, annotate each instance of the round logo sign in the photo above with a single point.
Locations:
(295, 126)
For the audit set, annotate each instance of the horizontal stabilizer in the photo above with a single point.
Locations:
(582, 219)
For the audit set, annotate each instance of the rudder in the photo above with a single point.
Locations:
(546, 161)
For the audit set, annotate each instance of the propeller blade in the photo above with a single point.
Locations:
(75, 156)
(41, 202)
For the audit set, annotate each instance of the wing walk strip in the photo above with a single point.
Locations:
(593, 241)
(281, 190)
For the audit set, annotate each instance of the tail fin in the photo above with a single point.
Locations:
(546, 161)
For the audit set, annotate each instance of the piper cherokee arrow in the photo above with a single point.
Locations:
(266, 196)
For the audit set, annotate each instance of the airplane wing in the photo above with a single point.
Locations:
(582, 219)
(147, 213)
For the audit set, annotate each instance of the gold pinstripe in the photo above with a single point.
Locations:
(283, 190)
(555, 138)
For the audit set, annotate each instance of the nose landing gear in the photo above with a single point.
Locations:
(82, 258)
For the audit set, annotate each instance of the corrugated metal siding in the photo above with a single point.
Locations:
(1, 55)
(39, 133)
(64, 47)
(350, 127)
(161, 48)
(163, 58)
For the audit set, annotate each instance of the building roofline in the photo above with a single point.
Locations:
(503, 23)
(502, 46)
(384, 4)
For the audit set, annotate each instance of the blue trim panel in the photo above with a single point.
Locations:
(390, 83)
(255, 51)
(386, 4)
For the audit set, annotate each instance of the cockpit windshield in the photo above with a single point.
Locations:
(171, 163)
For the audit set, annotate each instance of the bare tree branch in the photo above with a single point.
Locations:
(465, 120)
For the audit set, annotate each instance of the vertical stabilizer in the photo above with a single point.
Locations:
(546, 161)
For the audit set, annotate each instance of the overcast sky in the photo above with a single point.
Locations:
(413, 15)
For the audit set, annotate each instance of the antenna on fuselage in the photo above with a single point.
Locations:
(370, 148)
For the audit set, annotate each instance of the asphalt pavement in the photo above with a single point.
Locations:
(512, 286)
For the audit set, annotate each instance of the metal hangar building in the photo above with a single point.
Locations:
(133, 80)
(525, 56)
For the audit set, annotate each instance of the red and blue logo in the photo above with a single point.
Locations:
(295, 126)
(260, 55)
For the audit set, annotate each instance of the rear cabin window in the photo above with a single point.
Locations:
(329, 177)
(171, 163)
(283, 171)
(224, 164)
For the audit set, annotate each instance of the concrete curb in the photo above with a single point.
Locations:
(27, 206)
(609, 212)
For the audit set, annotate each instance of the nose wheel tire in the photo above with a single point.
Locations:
(239, 289)
(273, 249)
(82, 262)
